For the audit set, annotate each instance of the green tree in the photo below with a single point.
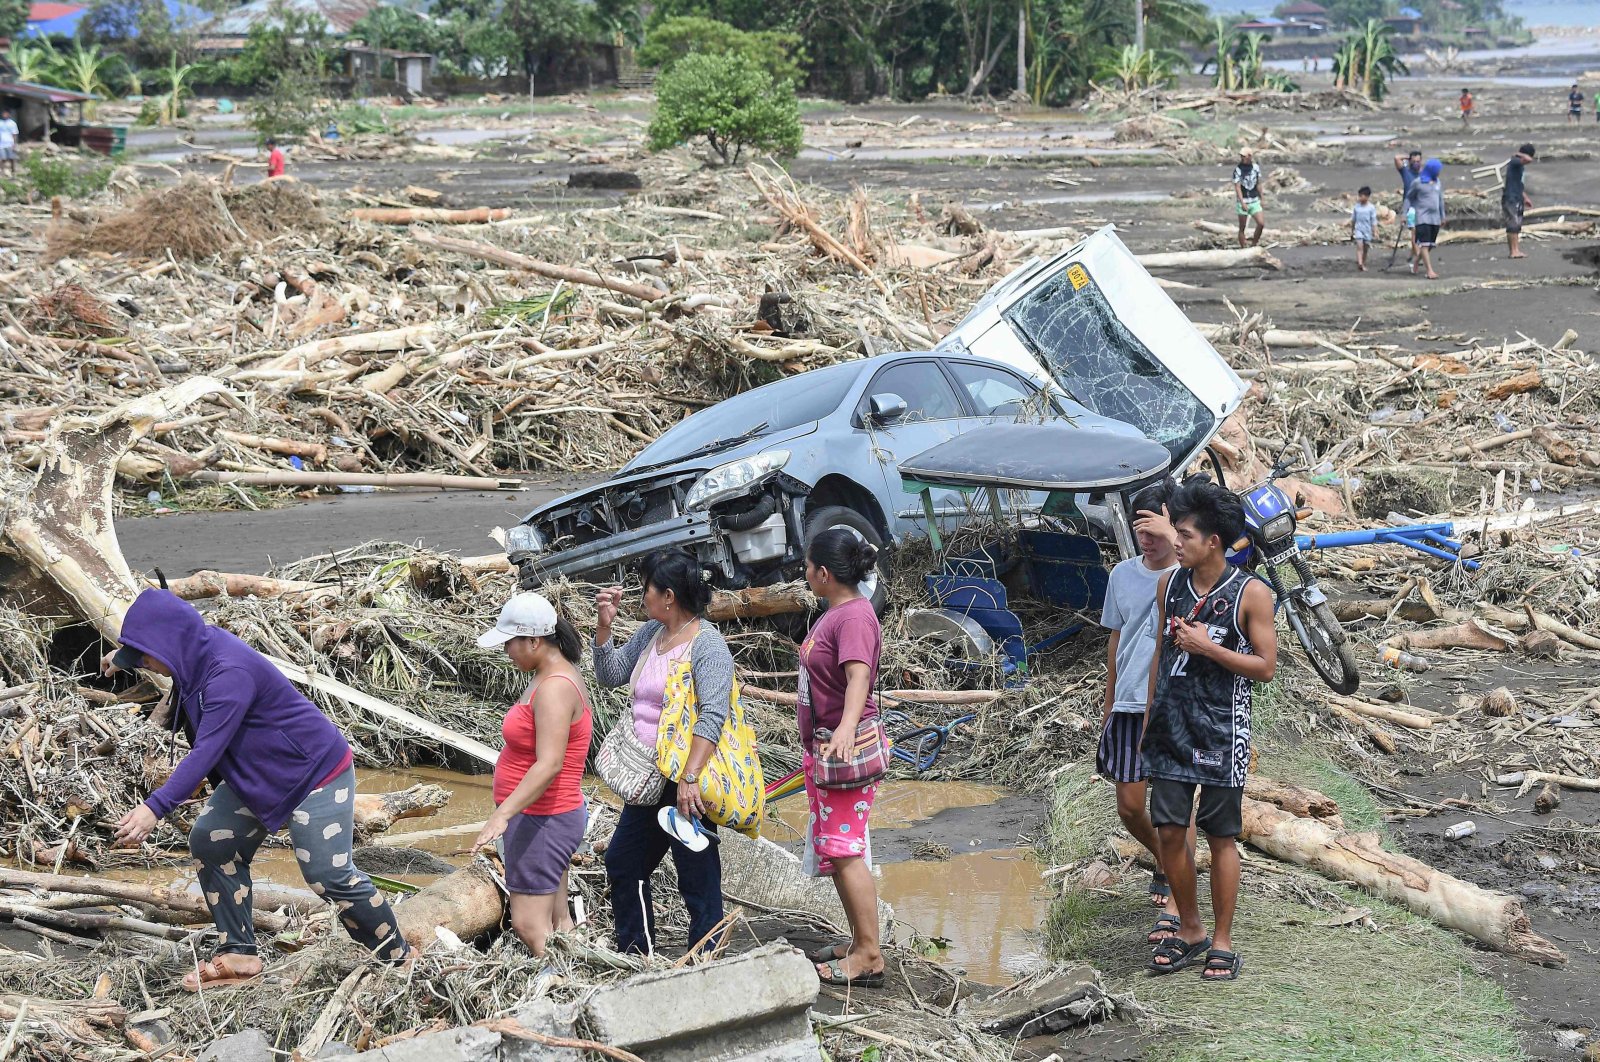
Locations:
(1136, 69)
(543, 28)
(13, 17)
(730, 102)
(1367, 59)
(31, 60)
(87, 70)
(1355, 12)
(777, 52)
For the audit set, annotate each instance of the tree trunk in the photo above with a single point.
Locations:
(376, 812)
(500, 256)
(1492, 918)
(207, 584)
(1466, 635)
(1295, 799)
(438, 215)
(468, 903)
(757, 601)
(131, 892)
(1022, 47)
(1221, 259)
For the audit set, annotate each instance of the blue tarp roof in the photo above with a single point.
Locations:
(1410, 12)
(183, 16)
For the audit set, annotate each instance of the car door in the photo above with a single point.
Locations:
(933, 413)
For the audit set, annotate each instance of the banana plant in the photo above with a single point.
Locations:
(177, 78)
(85, 70)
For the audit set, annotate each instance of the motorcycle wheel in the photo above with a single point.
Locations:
(1321, 636)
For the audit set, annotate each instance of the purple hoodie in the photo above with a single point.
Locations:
(249, 725)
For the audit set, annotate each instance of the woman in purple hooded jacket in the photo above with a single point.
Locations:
(273, 759)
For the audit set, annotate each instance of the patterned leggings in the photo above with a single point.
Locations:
(225, 839)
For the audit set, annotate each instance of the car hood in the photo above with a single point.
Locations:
(695, 466)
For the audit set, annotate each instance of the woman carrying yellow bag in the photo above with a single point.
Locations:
(732, 787)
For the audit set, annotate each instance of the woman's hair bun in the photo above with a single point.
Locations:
(843, 552)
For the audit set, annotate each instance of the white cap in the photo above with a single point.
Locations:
(526, 615)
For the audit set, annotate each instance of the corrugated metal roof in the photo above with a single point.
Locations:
(340, 15)
(29, 90)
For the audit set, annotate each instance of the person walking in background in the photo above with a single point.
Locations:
(1467, 105)
(1129, 614)
(8, 143)
(1218, 637)
(1410, 168)
(1514, 198)
(275, 163)
(675, 599)
(1247, 195)
(1574, 105)
(273, 760)
(838, 671)
(1363, 225)
(1426, 198)
(539, 807)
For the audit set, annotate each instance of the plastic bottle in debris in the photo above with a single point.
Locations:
(1460, 830)
(1403, 661)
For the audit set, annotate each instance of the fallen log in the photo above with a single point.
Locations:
(1224, 259)
(1565, 228)
(1517, 621)
(490, 253)
(357, 479)
(1565, 781)
(1350, 609)
(1468, 634)
(468, 903)
(376, 812)
(207, 584)
(131, 892)
(1523, 382)
(311, 451)
(92, 921)
(1491, 918)
(434, 215)
(757, 601)
(1374, 733)
(1412, 720)
(1296, 799)
(362, 342)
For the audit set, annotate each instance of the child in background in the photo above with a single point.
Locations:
(274, 159)
(1467, 104)
(1363, 224)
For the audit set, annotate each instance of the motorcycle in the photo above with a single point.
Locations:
(1270, 550)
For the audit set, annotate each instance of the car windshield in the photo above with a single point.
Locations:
(1101, 364)
(774, 407)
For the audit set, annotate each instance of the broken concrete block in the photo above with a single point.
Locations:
(541, 1016)
(468, 1043)
(1058, 1001)
(752, 1006)
(604, 177)
(250, 1045)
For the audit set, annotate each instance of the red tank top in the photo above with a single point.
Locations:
(517, 757)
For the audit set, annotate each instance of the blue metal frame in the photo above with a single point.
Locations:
(1433, 539)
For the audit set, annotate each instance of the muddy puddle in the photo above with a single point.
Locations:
(984, 900)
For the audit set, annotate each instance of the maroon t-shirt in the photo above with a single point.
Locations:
(845, 633)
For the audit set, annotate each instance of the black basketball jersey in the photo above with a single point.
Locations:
(1199, 729)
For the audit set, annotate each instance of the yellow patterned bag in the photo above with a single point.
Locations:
(731, 782)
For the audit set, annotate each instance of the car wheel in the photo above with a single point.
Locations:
(876, 585)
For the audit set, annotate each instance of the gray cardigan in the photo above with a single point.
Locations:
(1428, 201)
(709, 661)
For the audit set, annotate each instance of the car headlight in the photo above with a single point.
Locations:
(523, 539)
(732, 479)
(1277, 527)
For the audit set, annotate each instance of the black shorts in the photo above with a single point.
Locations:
(1511, 213)
(1118, 756)
(1427, 235)
(1221, 811)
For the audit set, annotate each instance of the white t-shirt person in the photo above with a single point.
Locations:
(1130, 609)
(8, 134)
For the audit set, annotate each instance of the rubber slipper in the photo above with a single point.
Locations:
(836, 977)
(826, 953)
(1159, 888)
(685, 830)
(1166, 926)
(1221, 966)
(222, 980)
(1179, 953)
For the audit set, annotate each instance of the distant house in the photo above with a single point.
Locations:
(1407, 22)
(1261, 25)
(235, 25)
(411, 69)
(61, 20)
(1476, 32)
(1302, 9)
(41, 109)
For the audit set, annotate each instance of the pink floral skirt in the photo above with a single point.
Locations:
(838, 826)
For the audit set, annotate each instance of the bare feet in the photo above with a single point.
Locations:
(1433, 276)
(227, 968)
(1362, 268)
(1519, 254)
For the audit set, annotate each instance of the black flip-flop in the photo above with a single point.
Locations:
(1178, 952)
(836, 977)
(1159, 887)
(1166, 924)
(827, 953)
(1219, 960)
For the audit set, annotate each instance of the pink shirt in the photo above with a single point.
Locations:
(650, 689)
(845, 633)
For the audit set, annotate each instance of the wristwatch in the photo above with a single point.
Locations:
(691, 779)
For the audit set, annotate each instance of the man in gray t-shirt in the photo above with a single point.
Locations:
(1129, 614)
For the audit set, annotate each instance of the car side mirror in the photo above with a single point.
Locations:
(887, 407)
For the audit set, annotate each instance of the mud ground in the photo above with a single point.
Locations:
(1550, 860)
